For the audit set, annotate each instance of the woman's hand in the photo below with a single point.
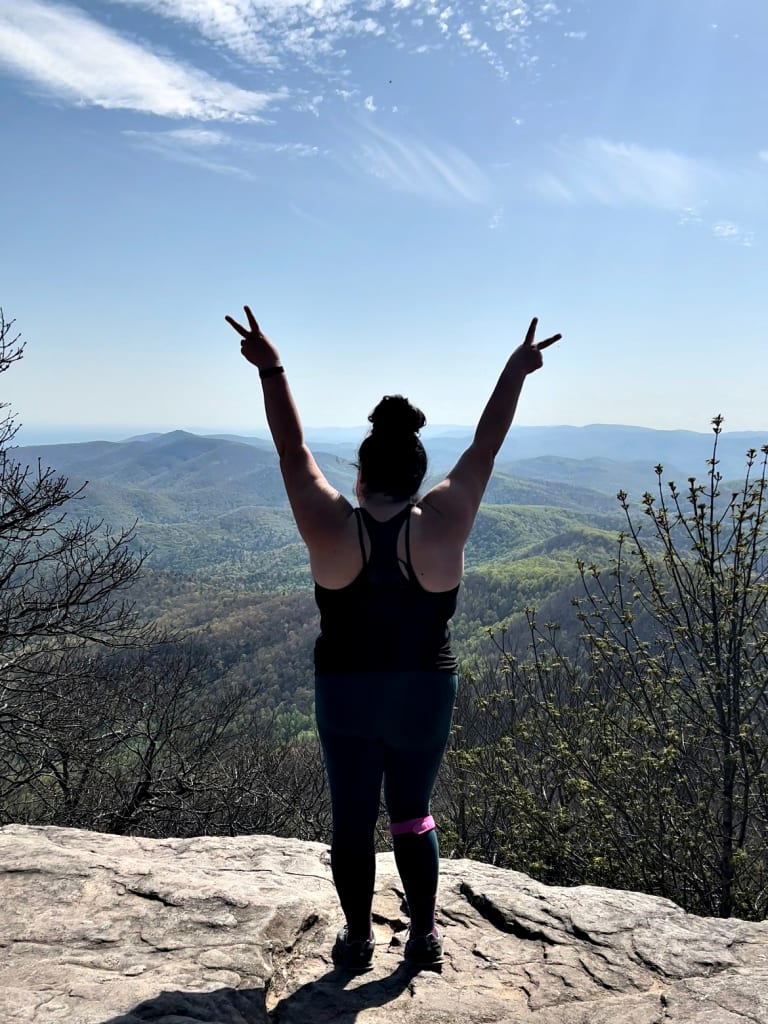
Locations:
(255, 346)
(528, 355)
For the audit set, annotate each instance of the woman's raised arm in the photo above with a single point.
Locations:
(318, 508)
(457, 498)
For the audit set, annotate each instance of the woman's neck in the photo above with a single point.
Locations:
(382, 505)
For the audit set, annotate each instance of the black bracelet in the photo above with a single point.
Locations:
(271, 371)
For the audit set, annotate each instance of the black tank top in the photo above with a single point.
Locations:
(384, 619)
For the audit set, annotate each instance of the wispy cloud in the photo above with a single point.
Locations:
(497, 218)
(309, 105)
(468, 37)
(278, 32)
(728, 230)
(271, 31)
(620, 174)
(327, 224)
(733, 233)
(690, 215)
(195, 138)
(439, 172)
(194, 147)
(68, 53)
(217, 151)
(76, 59)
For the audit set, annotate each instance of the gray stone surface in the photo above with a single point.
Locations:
(99, 929)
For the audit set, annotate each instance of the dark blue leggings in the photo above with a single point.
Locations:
(390, 726)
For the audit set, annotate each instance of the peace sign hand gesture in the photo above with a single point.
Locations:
(529, 352)
(255, 346)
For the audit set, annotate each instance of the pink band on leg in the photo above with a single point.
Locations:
(416, 825)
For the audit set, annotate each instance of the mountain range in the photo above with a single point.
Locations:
(226, 562)
(599, 457)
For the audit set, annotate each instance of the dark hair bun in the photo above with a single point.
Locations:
(395, 415)
(391, 458)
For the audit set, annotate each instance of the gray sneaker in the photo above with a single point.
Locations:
(353, 956)
(424, 951)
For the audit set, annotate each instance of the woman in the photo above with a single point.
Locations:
(386, 579)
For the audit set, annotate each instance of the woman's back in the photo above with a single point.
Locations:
(384, 618)
(436, 553)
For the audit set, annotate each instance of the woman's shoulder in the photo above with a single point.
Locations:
(437, 556)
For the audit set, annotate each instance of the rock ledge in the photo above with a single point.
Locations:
(101, 929)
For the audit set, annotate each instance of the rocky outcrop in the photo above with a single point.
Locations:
(100, 929)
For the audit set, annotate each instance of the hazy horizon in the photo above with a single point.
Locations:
(67, 434)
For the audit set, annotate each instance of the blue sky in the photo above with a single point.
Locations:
(396, 187)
